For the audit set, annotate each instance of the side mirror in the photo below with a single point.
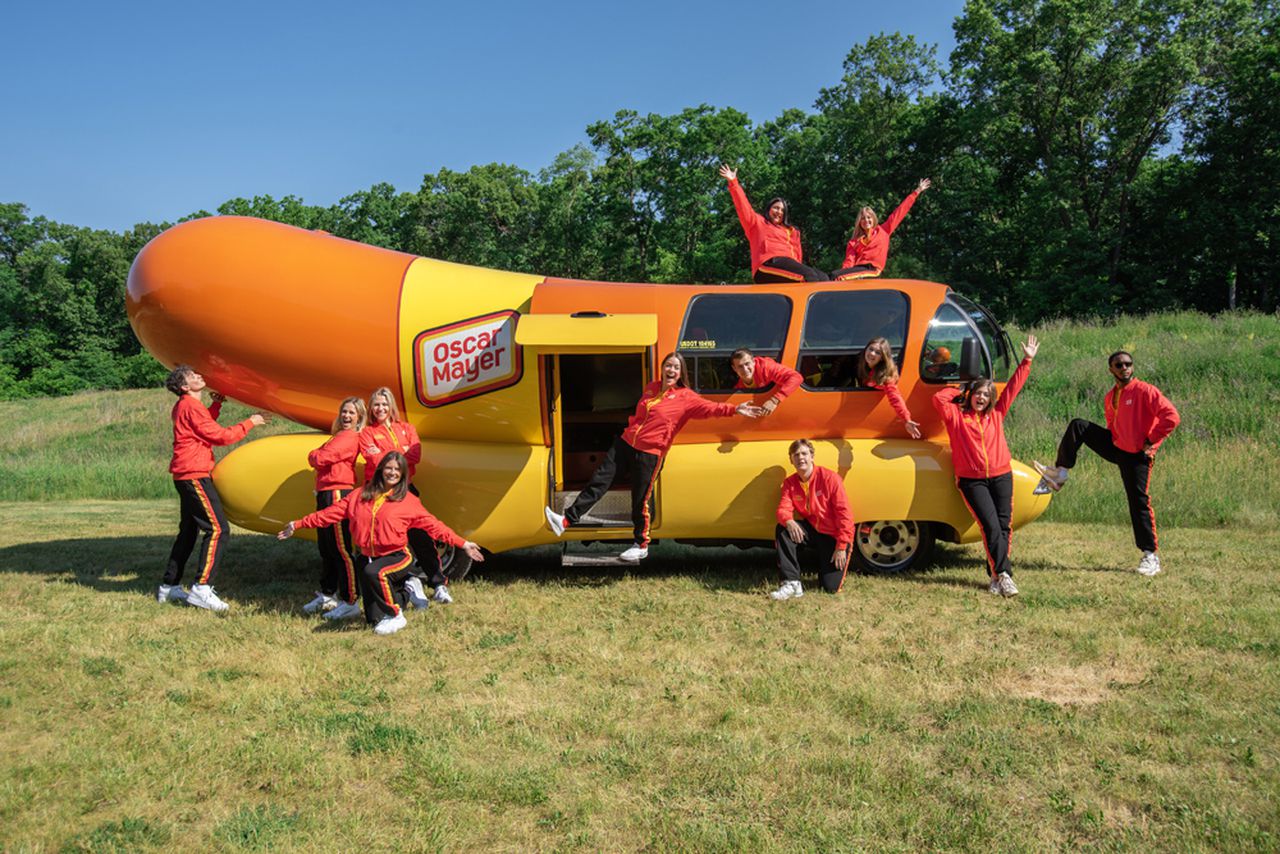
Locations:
(970, 359)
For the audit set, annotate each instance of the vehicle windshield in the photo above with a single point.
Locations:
(998, 347)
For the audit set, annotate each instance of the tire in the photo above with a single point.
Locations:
(454, 562)
(889, 547)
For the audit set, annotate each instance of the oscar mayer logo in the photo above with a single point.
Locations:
(467, 358)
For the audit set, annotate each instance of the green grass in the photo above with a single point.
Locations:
(673, 707)
(1219, 468)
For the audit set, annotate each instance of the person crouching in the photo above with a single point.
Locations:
(813, 514)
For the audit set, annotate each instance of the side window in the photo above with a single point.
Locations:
(992, 335)
(717, 324)
(837, 327)
(952, 350)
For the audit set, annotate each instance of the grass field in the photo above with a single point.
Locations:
(671, 708)
(674, 706)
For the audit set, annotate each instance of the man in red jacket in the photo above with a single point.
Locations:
(195, 432)
(760, 371)
(1138, 418)
(813, 512)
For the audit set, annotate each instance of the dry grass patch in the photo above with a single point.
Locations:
(1081, 685)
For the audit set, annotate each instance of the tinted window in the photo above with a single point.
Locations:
(838, 325)
(949, 343)
(718, 324)
(992, 335)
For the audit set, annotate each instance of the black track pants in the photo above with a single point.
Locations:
(382, 583)
(990, 500)
(858, 271)
(1135, 474)
(337, 562)
(200, 511)
(781, 270)
(621, 459)
(424, 551)
(790, 554)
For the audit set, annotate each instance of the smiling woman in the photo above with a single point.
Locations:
(776, 254)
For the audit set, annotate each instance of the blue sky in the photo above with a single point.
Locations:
(125, 113)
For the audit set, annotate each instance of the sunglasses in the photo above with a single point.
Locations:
(1119, 364)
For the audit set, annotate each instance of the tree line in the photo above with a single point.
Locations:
(1089, 157)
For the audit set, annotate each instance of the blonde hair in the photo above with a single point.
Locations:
(883, 373)
(393, 414)
(362, 415)
(858, 230)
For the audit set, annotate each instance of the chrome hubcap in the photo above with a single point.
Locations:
(885, 544)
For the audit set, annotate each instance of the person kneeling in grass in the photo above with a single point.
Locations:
(813, 514)
(195, 431)
(381, 516)
(1138, 418)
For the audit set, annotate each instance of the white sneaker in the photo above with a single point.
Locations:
(1150, 564)
(1005, 585)
(788, 590)
(202, 596)
(344, 611)
(555, 520)
(1054, 476)
(994, 587)
(441, 596)
(635, 554)
(390, 625)
(417, 596)
(170, 593)
(322, 602)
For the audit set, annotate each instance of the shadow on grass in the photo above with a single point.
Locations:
(277, 577)
(270, 576)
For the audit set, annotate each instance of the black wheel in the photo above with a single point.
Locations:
(892, 546)
(454, 562)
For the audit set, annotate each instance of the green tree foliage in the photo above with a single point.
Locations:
(1089, 157)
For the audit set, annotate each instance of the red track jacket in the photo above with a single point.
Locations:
(895, 399)
(873, 248)
(769, 371)
(1138, 413)
(660, 415)
(825, 505)
(381, 527)
(378, 440)
(335, 461)
(978, 448)
(767, 240)
(195, 432)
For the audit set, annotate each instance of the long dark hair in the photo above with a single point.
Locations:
(378, 484)
(974, 385)
(786, 211)
(684, 369)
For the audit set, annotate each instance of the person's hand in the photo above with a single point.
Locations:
(286, 532)
(1149, 449)
(258, 419)
(795, 532)
(216, 397)
(924, 184)
(841, 559)
(1030, 348)
(473, 551)
(727, 173)
(750, 410)
(768, 406)
(913, 429)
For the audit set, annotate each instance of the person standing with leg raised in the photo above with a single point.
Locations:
(1139, 418)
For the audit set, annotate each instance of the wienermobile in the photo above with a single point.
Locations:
(518, 383)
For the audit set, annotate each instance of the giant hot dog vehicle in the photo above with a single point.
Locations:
(518, 383)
